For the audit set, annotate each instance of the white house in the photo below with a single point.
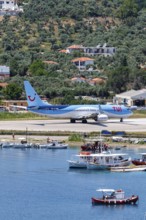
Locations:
(100, 50)
(104, 50)
(82, 62)
(9, 5)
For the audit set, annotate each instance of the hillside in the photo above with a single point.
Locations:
(46, 27)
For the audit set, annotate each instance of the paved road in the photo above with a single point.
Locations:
(65, 125)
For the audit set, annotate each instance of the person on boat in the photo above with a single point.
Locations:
(95, 160)
(85, 135)
(48, 140)
(112, 195)
(121, 158)
(13, 136)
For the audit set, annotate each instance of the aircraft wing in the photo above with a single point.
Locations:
(18, 107)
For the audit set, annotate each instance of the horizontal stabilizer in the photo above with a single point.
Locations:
(18, 107)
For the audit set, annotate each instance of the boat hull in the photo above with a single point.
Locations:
(128, 169)
(138, 162)
(54, 146)
(94, 166)
(131, 200)
(77, 164)
(57, 147)
(100, 166)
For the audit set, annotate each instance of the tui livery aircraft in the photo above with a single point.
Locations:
(82, 112)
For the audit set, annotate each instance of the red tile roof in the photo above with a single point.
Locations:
(78, 78)
(98, 80)
(3, 85)
(82, 59)
(49, 62)
(75, 47)
(63, 51)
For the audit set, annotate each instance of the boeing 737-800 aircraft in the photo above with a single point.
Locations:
(82, 112)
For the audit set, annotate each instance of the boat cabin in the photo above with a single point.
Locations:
(119, 194)
(143, 156)
(112, 194)
(104, 158)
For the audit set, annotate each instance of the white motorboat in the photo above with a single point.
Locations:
(98, 161)
(103, 161)
(54, 145)
(7, 144)
(22, 145)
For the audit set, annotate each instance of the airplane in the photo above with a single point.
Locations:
(97, 112)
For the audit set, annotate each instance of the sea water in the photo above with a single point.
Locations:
(36, 184)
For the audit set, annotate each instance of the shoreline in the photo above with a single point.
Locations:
(43, 139)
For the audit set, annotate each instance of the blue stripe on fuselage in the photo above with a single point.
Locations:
(61, 109)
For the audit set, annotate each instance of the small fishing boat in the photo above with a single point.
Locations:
(113, 197)
(22, 145)
(7, 144)
(54, 145)
(95, 146)
(141, 161)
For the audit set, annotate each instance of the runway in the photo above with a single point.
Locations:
(128, 125)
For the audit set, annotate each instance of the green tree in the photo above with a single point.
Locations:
(118, 79)
(129, 8)
(37, 68)
(12, 91)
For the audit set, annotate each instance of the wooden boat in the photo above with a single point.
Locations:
(128, 168)
(113, 197)
(141, 161)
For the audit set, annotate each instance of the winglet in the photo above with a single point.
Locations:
(33, 99)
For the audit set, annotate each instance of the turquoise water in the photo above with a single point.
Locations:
(36, 184)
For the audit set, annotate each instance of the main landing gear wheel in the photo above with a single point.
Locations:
(72, 121)
(84, 121)
(121, 119)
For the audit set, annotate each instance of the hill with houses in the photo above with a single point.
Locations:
(75, 48)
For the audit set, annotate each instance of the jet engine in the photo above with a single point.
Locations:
(133, 107)
(101, 117)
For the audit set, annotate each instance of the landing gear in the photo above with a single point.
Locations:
(84, 121)
(121, 119)
(72, 121)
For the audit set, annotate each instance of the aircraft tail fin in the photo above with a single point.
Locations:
(33, 99)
